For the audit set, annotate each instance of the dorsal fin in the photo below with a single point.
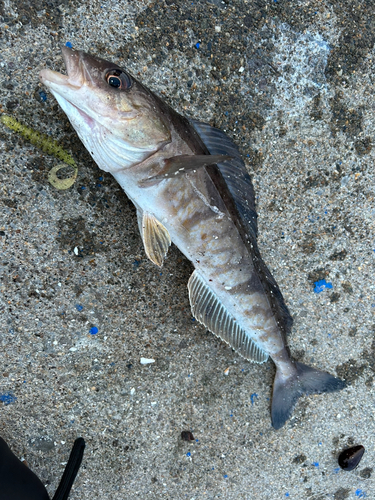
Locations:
(238, 184)
(209, 310)
(234, 173)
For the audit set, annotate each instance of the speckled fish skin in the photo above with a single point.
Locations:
(190, 186)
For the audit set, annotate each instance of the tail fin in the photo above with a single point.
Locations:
(307, 380)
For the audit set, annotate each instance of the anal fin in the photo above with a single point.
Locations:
(155, 236)
(208, 309)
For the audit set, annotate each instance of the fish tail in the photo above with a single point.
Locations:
(306, 380)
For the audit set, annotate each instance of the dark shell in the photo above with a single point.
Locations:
(187, 436)
(350, 458)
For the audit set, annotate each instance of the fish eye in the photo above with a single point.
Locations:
(118, 79)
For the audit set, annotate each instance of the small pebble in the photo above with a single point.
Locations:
(187, 436)
(350, 458)
(147, 361)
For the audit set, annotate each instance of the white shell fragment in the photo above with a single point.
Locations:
(132, 391)
(226, 372)
(147, 361)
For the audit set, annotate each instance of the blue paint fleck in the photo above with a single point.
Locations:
(315, 464)
(69, 44)
(188, 454)
(336, 470)
(197, 440)
(83, 187)
(43, 95)
(99, 185)
(252, 397)
(197, 45)
(136, 263)
(360, 493)
(79, 307)
(320, 444)
(100, 178)
(94, 330)
(287, 494)
(321, 285)
(225, 476)
(8, 398)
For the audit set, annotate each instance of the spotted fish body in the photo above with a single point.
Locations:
(190, 186)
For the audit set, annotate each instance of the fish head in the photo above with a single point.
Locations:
(118, 120)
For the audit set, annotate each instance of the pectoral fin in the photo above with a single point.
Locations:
(155, 237)
(180, 165)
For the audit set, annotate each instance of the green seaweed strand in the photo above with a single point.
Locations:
(48, 146)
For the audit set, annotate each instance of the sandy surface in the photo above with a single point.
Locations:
(293, 84)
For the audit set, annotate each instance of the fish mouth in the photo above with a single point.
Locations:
(65, 87)
(74, 77)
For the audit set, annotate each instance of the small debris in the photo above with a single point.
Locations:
(132, 391)
(69, 44)
(94, 330)
(187, 436)
(321, 285)
(226, 371)
(8, 398)
(360, 493)
(76, 250)
(147, 361)
(42, 95)
(350, 458)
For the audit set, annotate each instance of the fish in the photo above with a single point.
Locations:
(190, 186)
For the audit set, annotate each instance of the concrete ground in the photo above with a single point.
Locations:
(292, 82)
